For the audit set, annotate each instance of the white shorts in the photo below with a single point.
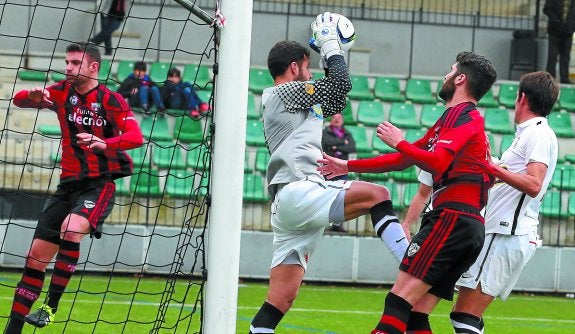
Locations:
(500, 263)
(299, 214)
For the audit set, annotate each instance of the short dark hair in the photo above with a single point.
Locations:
(89, 49)
(541, 91)
(140, 66)
(174, 72)
(283, 54)
(479, 71)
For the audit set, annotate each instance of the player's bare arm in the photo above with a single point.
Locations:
(91, 142)
(389, 134)
(39, 94)
(529, 183)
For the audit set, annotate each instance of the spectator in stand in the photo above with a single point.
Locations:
(177, 94)
(560, 28)
(139, 89)
(109, 23)
(337, 142)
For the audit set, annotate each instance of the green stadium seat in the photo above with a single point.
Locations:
(57, 76)
(198, 158)
(52, 131)
(180, 184)
(430, 113)
(506, 141)
(403, 116)
(494, 150)
(259, 80)
(488, 100)
(552, 206)
(188, 130)
(202, 189)
(248, 168)
(254, 189)
(571, 204)
(388, 89)
(412, 135)
(253, 112)
(204, 95)
(348, 115)
(121, 188)
(316, 75)
(497, 120)
(146, 183)
(56, 157)
(159, 72)
(198, 74)
(360, 136)
(33, 75)
(255, 133)
(567, 98)
(168, 156)
(155, 128)
(105, 71)
(409, 190)
(570, 158)
(564, 177)
(407, 175)
(360, 88)
(262, 159)
(419, 91)
(560, 122)
(141, 158)
(370, 113)
(508, 94)
(125, 68)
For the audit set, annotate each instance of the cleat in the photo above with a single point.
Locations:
(41, 317)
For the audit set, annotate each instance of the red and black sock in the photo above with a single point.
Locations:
(395, 315)
(27, 292)
(418, 323)
(65, 265)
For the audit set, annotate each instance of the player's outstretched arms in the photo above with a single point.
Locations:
(36, 97)
(331, 167)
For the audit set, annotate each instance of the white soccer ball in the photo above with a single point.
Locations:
(345, 32)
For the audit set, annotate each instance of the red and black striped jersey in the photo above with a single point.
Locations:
(100, 112)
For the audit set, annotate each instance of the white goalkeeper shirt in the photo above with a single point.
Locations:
(293, 116)
(509, 211)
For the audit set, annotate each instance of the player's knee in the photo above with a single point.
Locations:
(380, 194)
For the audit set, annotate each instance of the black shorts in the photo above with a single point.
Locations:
(92, 199)
(447, 244)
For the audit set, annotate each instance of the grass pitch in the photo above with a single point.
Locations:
(130, 305)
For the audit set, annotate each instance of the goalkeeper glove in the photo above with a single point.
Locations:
(324, 35)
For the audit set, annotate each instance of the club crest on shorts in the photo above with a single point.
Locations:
(413, 248)
(89, 204)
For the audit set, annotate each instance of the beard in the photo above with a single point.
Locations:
(448, 89)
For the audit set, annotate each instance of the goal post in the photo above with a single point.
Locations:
(224, 226)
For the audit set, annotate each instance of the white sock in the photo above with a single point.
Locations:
(393, 236)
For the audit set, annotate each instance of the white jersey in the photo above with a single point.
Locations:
(509, 211)
(293, 123)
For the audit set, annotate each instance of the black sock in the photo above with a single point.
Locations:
(395, 315)
(418, 323)
(266, 320)
(465, 323)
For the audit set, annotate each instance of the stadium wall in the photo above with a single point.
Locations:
(345, 259)
(393, 48)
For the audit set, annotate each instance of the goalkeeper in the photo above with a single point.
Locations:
(304, 203)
